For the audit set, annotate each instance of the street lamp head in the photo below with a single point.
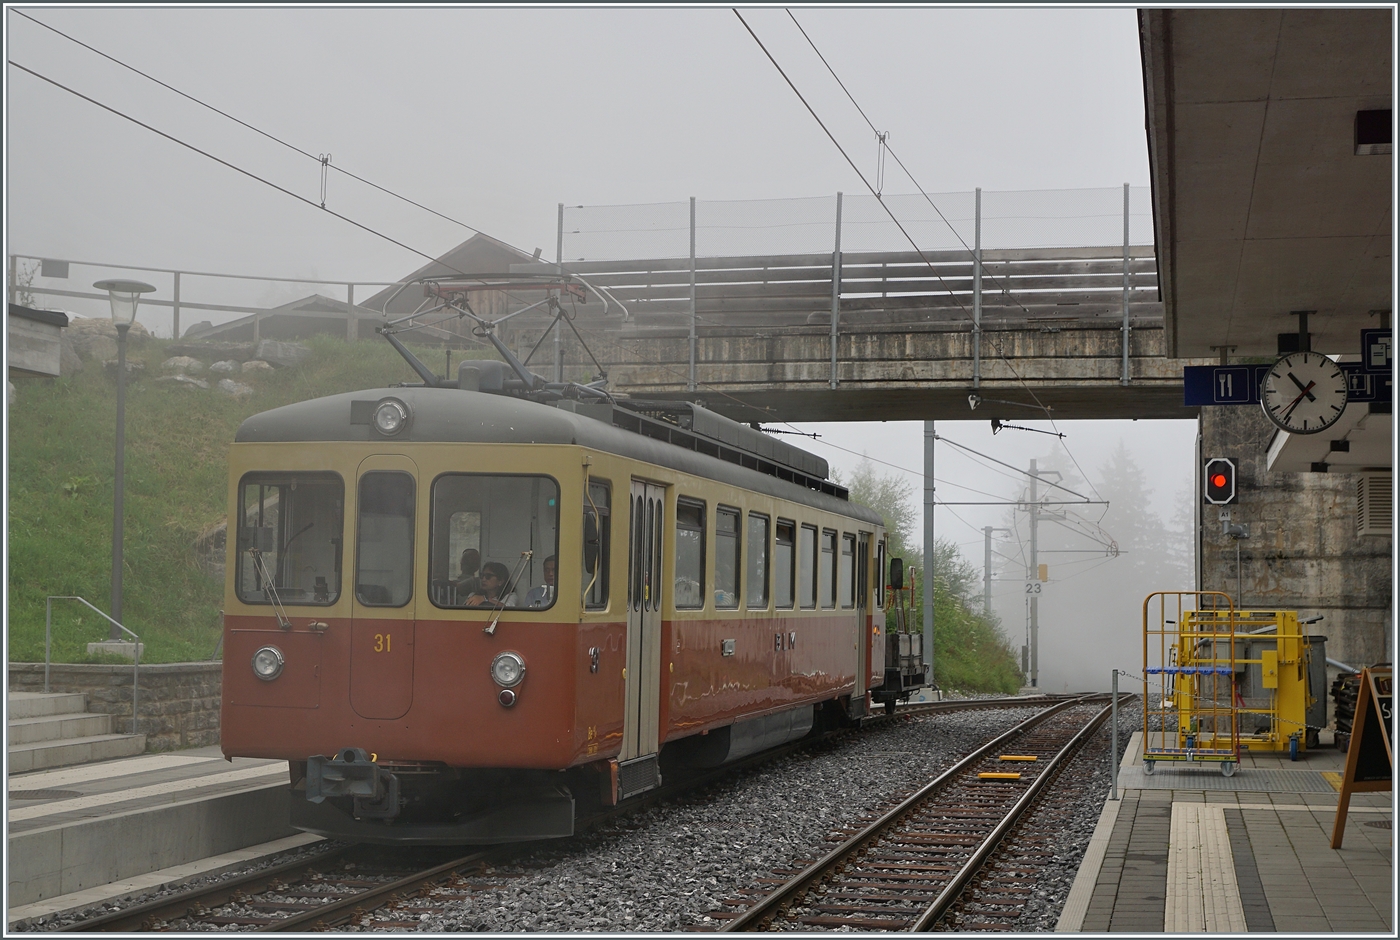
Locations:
(123, 295)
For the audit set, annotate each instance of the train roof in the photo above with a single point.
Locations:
(676, 435)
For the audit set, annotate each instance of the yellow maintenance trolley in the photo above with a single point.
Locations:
(1230, 680)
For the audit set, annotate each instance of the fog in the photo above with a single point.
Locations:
(493, 117)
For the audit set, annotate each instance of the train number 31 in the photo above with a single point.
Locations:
(381, 642)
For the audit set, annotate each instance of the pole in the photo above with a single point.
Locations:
(175, 309)
(987, 571)
(352, 326)
(1239, 577)
(119, 484)
(1126, 328)
(1113, 758)
(14, 275)
(977, 298)
(690, 385)
(559, 264)
(835, 289)
(1034, 573)
(929, 578)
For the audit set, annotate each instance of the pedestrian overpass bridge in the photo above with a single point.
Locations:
(1059, 332)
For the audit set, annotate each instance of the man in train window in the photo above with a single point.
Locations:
(543, 595)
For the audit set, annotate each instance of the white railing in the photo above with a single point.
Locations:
(136, 662)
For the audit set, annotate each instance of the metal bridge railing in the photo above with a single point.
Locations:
(136, 663)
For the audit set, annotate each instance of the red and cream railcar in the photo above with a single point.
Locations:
(714, 597)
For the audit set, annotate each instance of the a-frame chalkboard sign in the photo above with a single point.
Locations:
(1369, 760)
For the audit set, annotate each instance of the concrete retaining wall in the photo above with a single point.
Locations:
(178, 702)
(1303, 552)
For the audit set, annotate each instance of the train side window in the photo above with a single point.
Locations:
(384, 542)
(756, 572)
(597, 544)
(690, 554)
(481, 521)
(880, 574)
(289, 537)
(847, 571)
(726, 558)
(807, 566)
(827, 575)
(784, 564)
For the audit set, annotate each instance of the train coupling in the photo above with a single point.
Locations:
(351, 773)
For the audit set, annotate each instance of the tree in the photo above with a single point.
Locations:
(892, 496)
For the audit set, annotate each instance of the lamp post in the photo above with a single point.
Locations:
(123, 295)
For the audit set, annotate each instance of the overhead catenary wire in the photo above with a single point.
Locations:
(319, 158)
(885, 147)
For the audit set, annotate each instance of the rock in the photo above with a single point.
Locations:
(225, 366)
(234, 389)
(256, 365)
(183, 365)
(209, 549)
(96, 337)
(211, 349)
(281, 354)
(184, 380)
(134, 367)
(69, 362)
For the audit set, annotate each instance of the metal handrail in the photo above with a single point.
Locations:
(136, 662)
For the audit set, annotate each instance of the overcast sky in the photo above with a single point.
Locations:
(493, 117)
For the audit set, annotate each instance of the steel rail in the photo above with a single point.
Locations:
(955, 887)
(799, 883)
(179, 905)
(212, 896)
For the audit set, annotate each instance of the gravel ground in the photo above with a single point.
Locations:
(1067, 819)
(669, 867)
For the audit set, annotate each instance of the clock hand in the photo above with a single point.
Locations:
(1300, 385)
(1295, 402)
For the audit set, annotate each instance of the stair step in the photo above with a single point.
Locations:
(38, 704)
(45, 754)
(58, 728)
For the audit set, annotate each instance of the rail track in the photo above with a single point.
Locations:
(342, 884)
(908, 867)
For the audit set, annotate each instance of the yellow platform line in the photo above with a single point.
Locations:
(1334, 778)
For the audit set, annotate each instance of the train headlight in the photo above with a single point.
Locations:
(267, 663)
(391, 417)
(507, 669)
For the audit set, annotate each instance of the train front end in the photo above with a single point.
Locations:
(394, 626)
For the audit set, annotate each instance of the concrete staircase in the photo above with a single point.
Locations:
(57, 730)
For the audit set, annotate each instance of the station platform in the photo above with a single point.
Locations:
(104, 829)
(1188, 850)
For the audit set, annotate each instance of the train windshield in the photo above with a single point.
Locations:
(482, 526)
(289, 537)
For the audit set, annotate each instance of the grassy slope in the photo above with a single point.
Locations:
(61, 448)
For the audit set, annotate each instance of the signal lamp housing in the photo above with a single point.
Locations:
(1220, 481)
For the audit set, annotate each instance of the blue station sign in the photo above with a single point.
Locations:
(1239, 385)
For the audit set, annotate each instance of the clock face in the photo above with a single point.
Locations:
(1304, 392)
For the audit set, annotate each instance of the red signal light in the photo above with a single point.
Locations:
(1218, 480)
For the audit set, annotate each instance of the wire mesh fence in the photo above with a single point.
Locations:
(1048, 218)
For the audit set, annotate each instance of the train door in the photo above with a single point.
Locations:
(640, 728)
(382, 604)
(861, 629)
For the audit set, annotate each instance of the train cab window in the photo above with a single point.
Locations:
(384, 542)
(807, 566)
(597, 544)
(880, 574)
(690, 554)
(726, 558)
(784, 564)
(846, 573)
(756, 572)
(494, 521)
(289, 538)
(827, 575)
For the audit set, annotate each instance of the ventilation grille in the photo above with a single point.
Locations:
(637, 776)
(1374, 504)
